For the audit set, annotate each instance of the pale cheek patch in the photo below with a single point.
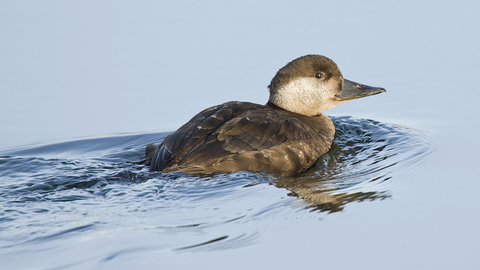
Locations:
(331, 101)
(304, 95)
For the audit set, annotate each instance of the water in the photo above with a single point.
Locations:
(84, 85)
(84, 192)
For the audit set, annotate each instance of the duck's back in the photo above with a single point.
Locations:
(242, 136)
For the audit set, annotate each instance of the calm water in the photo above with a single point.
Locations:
(84, 85)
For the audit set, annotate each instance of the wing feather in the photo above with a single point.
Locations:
(245, 136)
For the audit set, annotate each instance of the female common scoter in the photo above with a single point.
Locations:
(284, 137)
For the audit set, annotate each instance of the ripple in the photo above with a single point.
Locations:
(222, 243)
(47, 188)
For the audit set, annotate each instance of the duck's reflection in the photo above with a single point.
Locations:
(318, 195)
(357, 168)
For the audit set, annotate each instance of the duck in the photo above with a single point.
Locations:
(284, 137)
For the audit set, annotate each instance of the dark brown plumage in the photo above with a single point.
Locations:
(242, 136)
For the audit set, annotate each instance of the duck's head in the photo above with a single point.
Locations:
(313, 83)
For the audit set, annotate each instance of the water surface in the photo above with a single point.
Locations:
(84, 192)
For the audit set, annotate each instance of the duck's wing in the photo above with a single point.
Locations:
(259, 140)
(244, 136)
(194, 133)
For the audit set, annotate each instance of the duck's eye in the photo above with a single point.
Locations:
(319, 75)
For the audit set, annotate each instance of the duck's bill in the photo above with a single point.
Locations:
(353, 90)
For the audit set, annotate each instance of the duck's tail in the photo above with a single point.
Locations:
(150, 150)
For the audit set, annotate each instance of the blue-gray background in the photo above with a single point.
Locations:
(76, 69)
